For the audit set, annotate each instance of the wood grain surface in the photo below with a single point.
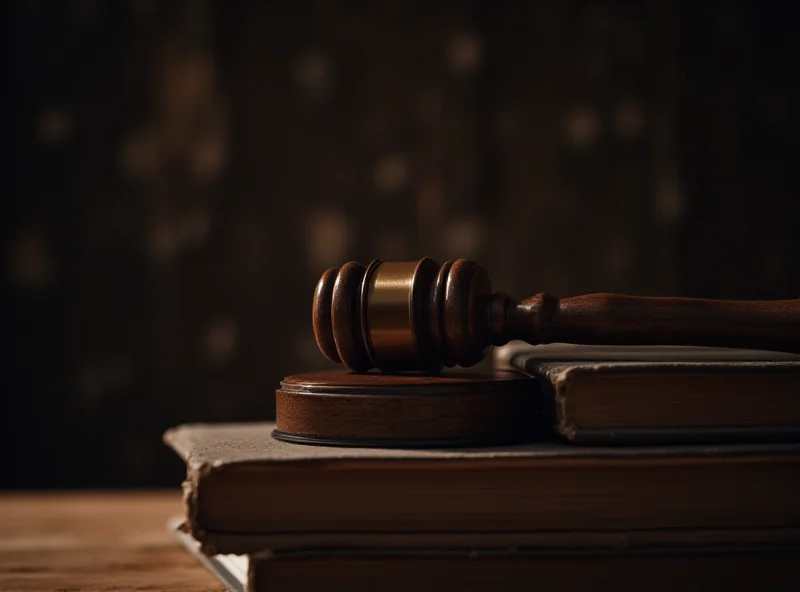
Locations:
(95, 541)
(618, 319)
(457, 407)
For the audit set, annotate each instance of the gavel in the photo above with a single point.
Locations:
(404, 316)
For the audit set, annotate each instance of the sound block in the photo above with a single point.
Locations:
(454, 408)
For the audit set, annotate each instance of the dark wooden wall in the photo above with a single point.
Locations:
(182, 172)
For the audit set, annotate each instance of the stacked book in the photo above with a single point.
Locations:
(665, 468)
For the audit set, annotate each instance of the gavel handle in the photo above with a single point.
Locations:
(616, 319)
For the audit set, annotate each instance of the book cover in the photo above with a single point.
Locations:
(662, 395)
(246, 491)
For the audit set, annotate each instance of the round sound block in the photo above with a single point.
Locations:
(454, 408)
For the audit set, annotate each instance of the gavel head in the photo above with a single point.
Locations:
(403, 316)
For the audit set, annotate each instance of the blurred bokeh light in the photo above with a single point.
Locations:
(183, 171)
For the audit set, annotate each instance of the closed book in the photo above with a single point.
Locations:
(466, 569)
(246, 491)
(662, 395)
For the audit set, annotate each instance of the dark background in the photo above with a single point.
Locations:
(182, 172)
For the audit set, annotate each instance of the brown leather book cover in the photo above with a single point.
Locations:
(660, 395)
(728, 567)
(246, 491)
(465, 570)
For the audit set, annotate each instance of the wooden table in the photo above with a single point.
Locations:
(95, 541)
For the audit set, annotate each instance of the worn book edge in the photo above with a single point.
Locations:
(177, 439)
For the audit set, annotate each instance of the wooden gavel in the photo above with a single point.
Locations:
(419, 316)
